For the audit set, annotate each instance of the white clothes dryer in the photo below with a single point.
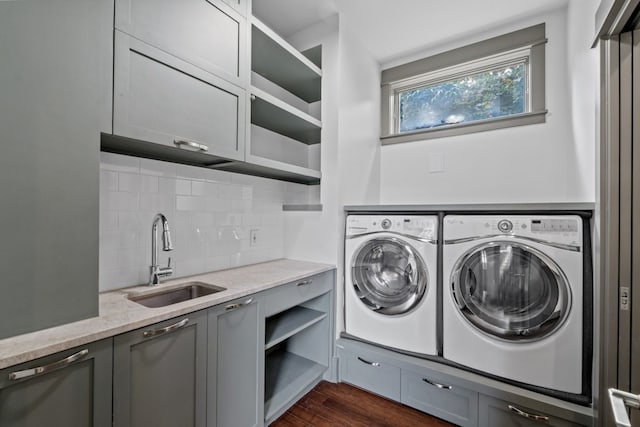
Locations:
(513, 295)
(390, 281)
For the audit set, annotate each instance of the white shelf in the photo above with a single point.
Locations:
(271, 113)
(288, 323)
(287, 374)
(275, 59)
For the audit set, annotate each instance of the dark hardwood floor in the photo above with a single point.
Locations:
(333, 405)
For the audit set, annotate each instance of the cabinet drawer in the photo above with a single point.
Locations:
(294, 293)
(366, 371)
(159, 98)
(496, 412)
(436, 395)
(208, 34)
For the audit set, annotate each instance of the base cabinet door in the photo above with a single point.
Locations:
(72, 388)
(235, 388)
(366, 370)
(159, 376)
(437, 395)
(496, 412)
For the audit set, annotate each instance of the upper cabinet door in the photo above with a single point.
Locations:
(162, 99)
(208, 34)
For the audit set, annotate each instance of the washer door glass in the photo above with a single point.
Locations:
(388, 275)
(511, 291)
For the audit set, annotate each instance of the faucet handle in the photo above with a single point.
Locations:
(169, 263)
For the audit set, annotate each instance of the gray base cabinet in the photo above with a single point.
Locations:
(498, 412)
(297, 342)
(235, 364)
(457, 396)
(160, 374)
(438, 395)
(72, 389)
(365, 370)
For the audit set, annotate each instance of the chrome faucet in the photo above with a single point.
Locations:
(156, 272)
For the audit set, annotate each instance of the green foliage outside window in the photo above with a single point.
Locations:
(496, 93)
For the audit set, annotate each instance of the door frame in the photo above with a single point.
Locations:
(614, 19)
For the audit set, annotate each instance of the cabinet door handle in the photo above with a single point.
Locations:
(197, 146)
(305, 283)
(527, 415)
(166, 330)
(435, 384)
(368, 363)
(18, 375)
(238, 305)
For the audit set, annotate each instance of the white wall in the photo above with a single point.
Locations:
(550, 162)
(350, 146)
(210, 214)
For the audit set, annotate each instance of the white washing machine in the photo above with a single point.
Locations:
(390, 280)
(512, 297)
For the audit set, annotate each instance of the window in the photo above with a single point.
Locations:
(492, 84)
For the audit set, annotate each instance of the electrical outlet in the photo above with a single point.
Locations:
(254, 237)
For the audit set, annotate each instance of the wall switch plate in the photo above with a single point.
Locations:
(254, 237)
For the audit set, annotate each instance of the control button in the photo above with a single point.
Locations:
(505, 226)
(386, 223)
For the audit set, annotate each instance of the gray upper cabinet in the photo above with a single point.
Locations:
(235, 366)
(160, 373)
(208, 34)
(164, 100)
(71, 388)
(56, 69)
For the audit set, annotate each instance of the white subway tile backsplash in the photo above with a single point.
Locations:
(191, 203)
(157, 168)
(149, 184)
(129, 182)
(210, 214)
(119, 163)
(109, 180)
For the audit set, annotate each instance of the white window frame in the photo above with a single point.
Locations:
(525, 45)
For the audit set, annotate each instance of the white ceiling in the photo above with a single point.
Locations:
(395, 28)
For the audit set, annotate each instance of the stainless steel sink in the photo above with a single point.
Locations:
(186, 291)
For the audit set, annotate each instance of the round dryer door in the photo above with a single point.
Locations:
(511, 291)
(388, 275)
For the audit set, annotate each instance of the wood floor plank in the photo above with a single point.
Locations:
(329, 405)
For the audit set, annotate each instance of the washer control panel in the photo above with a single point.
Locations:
(505, 225)
(425, 227)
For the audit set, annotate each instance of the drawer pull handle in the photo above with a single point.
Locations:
(166, 330)
(305, 282)
(199, 147)
(368, 363)
(18, 375)
(435, 384)
(527, 415)
(238, 305)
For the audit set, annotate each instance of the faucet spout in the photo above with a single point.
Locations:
(155, 271)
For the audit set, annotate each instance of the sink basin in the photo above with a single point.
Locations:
(186, 291)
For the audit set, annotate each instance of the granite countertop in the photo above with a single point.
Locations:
(118, 314)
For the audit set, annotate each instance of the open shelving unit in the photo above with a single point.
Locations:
(284, 127)
(296, 352)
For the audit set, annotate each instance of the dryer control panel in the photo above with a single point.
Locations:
(424, 227)
(561, 228)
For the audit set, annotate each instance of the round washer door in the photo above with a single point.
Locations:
(511, 291)
(389, 276)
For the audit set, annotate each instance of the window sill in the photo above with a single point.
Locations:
(466, 128)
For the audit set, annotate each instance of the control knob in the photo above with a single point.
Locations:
(386, 223)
